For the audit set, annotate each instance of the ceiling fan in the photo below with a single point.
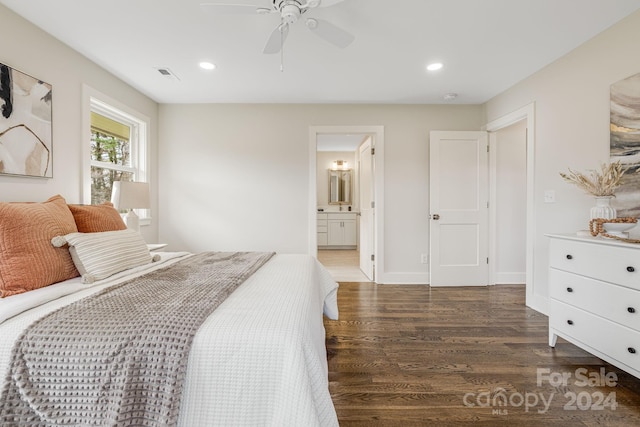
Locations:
(290, 11)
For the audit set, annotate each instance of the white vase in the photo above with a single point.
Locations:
(603, 208)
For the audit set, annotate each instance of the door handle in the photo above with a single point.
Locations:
(435, 217)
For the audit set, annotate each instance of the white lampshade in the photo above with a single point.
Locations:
(131, 195)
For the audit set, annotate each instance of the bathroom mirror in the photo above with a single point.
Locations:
(339, 187)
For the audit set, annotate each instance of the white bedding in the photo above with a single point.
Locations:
(258, 360)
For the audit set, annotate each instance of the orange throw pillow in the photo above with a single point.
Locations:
(97, 218)
(28, 260)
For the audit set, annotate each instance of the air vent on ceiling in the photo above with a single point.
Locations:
(167, 73)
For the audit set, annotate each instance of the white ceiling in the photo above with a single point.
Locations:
(486, 47)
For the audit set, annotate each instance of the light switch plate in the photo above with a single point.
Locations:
(549, 196)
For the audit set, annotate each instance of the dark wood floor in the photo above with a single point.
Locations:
(417, 356)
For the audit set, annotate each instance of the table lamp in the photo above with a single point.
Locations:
(130, 195)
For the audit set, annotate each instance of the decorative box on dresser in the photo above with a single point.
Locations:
(594, 297)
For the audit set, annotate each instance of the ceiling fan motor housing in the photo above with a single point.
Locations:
(290, 12)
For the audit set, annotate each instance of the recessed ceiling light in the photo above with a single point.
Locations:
(434, 66)
(450, 96)
(207, 65)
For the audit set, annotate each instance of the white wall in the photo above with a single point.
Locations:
(235, 177)
(32, 51)
(572, 129)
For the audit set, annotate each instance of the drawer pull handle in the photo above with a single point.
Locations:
(631, 269)
(631, 309)
(569, 289)
(570, 322)
(569, 256)
(631, 350)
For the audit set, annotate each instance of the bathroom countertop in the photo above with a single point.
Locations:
(339, 212)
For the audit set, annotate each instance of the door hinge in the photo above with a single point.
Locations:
(487, 205)
(487, 148)
(373, 151)
(373, 257)
(487, 260)
(373, 205)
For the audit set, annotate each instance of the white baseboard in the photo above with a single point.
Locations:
(403, 279)
(510, 278)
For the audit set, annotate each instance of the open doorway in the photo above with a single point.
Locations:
(526, 116)
(508, 189)
(339, 187)
(339, 237)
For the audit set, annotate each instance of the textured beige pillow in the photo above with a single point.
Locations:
(97, 218)
(27, 259)
(100, 255)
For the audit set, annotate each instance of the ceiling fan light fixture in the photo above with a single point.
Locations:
(290, 13)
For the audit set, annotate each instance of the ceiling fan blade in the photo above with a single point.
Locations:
(276, 39)
(329, 32)
(234, 9)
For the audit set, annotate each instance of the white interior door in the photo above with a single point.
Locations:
(459, 217)
(367, 212)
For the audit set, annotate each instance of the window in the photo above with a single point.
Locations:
(118, 150)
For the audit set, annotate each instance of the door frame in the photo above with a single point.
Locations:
(524, 113)
(377, 133)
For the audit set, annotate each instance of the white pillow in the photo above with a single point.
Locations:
(100, 255)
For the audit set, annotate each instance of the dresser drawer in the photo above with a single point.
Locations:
(616, 303)
(322, 216)
(612, 339)
(614, 264)
(321, 228)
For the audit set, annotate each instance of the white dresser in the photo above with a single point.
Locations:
(337, 230)
(594, 297)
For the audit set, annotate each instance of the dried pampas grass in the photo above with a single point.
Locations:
(598, 183)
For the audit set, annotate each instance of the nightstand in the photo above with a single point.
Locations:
(156, 247)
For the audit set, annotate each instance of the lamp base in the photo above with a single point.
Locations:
(132, 221)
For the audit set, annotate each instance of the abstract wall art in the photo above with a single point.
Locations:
(25, 125)
(625, 142)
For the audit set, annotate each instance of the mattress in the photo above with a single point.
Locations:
(258, 360)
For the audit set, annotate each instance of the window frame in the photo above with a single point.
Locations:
(139, 142)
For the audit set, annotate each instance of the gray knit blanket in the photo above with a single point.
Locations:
(119, 357)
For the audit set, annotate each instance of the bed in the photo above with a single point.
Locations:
(258, 359)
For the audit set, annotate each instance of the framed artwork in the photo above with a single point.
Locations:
(25, 125)
(625, 142)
